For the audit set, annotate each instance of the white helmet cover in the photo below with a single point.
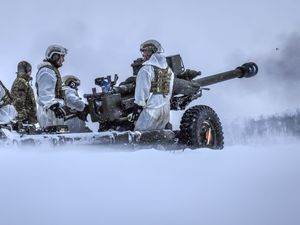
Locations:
(153, 42)
(69, 78)
(55, 49)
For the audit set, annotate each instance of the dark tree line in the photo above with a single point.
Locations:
(263, 128)
(279, 124)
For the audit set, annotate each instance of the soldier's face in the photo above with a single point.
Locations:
(146, 54)
(74, 85)
(61, 60)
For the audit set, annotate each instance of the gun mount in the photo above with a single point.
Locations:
(109, 108)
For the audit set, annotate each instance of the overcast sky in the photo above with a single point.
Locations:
(103, 37)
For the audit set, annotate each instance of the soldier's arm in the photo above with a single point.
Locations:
(46, 86)
(18, 94)
(143, 86)
(32, 102)
(171, 81)
(31, 108)
(74, 101)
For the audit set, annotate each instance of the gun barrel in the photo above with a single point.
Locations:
(246, 70)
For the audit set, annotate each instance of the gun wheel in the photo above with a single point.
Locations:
(200, 127)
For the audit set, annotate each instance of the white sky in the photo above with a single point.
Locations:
(103, 37)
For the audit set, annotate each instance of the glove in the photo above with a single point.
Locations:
(84, 113)
(137, 109)
(58, 111)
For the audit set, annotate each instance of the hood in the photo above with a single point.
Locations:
(158, 60)
(44, 63)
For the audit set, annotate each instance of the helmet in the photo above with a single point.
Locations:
(152, 45)
(55, 49)
(71, 81)
(24, 68)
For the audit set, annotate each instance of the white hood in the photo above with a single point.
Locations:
(43, 64)
(157, 60)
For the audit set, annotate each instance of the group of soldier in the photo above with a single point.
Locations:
(57, 96)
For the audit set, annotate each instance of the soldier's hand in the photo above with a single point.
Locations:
(137, 109)
(58, 111)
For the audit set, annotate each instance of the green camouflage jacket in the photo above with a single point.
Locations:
(23, 99)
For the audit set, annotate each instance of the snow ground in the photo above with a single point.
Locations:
(255, 185)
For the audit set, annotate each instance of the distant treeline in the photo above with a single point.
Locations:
(269, 127)
(287, 123)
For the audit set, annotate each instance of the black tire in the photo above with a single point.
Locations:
(200, 127)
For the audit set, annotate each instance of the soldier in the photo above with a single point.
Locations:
(7, 111)
(50, 96)
(77, 108)
(153, 89)
(22, 95)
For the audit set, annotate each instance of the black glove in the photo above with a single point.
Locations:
(58, 111)
(137, 109)
(84, 113)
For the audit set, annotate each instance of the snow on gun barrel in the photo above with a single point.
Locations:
(112, 107)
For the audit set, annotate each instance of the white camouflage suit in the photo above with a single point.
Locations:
(74, 102)
(7, 112)
(46, 80)
(156, 107)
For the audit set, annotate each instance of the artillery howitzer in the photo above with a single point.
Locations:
(200, 125)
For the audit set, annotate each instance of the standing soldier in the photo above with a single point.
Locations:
(77, 107)
(154, 84)
(7, 111)
(22, 95)
(50, 96)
